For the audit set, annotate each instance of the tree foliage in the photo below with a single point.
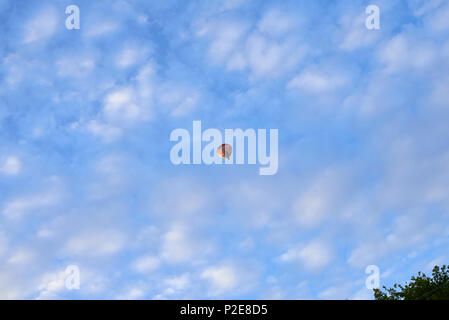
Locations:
(420, 287)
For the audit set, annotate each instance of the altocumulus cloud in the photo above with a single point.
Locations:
(85, 176)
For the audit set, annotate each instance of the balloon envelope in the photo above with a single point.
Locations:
(224, 151)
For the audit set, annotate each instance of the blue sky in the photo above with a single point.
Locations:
(85, 173)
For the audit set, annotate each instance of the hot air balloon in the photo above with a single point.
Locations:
(224, 151)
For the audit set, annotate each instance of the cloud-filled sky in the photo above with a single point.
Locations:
(85, 171)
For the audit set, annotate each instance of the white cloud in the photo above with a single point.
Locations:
(18, 207)
(127, 106)
(371, 100)
(250, 197)
(230, 278)
(132, 294)
(335, 292)
(186, 105)
(440, 95)
(316, 81)
(276, 22)
(226, 37)
(178, 283)
(101, 28)
(363, 294)
(140, 101)
(51, 285)
(247, 244)
(438, 261)
(3, 244)
(319, 200)
(96, 242)
(266, 57)
(44, 233)
(407, 231)
(269, 50)
(439, 21)
(183, 211)
(424, 7)
(221, 278)
(401, 52)
(165, 294)
(21, 256)
(179, 245)
(131, 55)
(105, 131)
(174, 286)
(41, 26)
(314, 255)
(354, 34)
(232, 4)
(310, 208)
(121, 105)
(177, 99)
(191, 203)
(111, 168)
(10, 166)
(146, 263)
(127, 57)
(75, 66)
